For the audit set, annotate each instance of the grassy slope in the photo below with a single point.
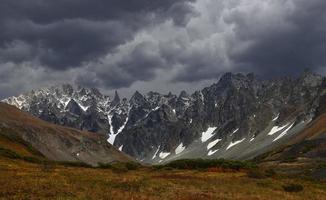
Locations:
(23, 180)
(14, 123)
(316, 129)
(18, 146)
(13, 116)
(309, 141)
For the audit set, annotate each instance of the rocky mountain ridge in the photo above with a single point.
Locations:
(239, 117)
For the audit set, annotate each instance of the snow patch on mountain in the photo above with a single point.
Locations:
(64, 101)
(236, 130)
(110, 123)
(232, 144)
(180, 149)
(210, 153)
(213, 143)
(283, 133)
(113, 135)
(123, 126)
(163, 155)
(111, 138)
(156, 152)
(276, 129)
(208, 134)
(276, 118)
(84, 108)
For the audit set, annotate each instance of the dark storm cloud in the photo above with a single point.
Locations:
(297, 43)
(140, 65)
(65, 33)
(137, 44)
(62, 44)
(270, 38)
(48, 11)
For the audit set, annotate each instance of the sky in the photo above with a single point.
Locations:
(160, 45)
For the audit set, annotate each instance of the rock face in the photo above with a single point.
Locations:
(57, 142)
(239, 117)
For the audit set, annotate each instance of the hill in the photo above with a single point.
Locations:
(27, 136)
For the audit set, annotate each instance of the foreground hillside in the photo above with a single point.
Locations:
(32, 138)
(23, 180)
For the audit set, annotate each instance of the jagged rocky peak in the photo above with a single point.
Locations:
(198, 96)
(116, 99)
(155, 99)
(96, 92)
(137, 99)
(170, 95)
(153, 96)
(124, 101)
(238, 80)
(74, 91)
(164, 113)
(74, 107)
(184, 94)
(310, 79)
(67, 89)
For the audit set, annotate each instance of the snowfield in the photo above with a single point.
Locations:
(276, 129)
(208, 134)
(232, 144)
(212, 144)
(283, 133)
(180, 149)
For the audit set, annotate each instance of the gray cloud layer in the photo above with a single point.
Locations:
(65, 33)
(154, 44)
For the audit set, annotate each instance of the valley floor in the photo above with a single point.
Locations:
(23, 180)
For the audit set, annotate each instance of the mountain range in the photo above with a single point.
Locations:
(242, 116)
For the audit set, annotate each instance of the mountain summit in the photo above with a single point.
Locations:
(239, 117)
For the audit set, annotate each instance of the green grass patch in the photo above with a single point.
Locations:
(9, 154)
(198, 164)
(8, 134)
(120, 166)
(293, 188)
